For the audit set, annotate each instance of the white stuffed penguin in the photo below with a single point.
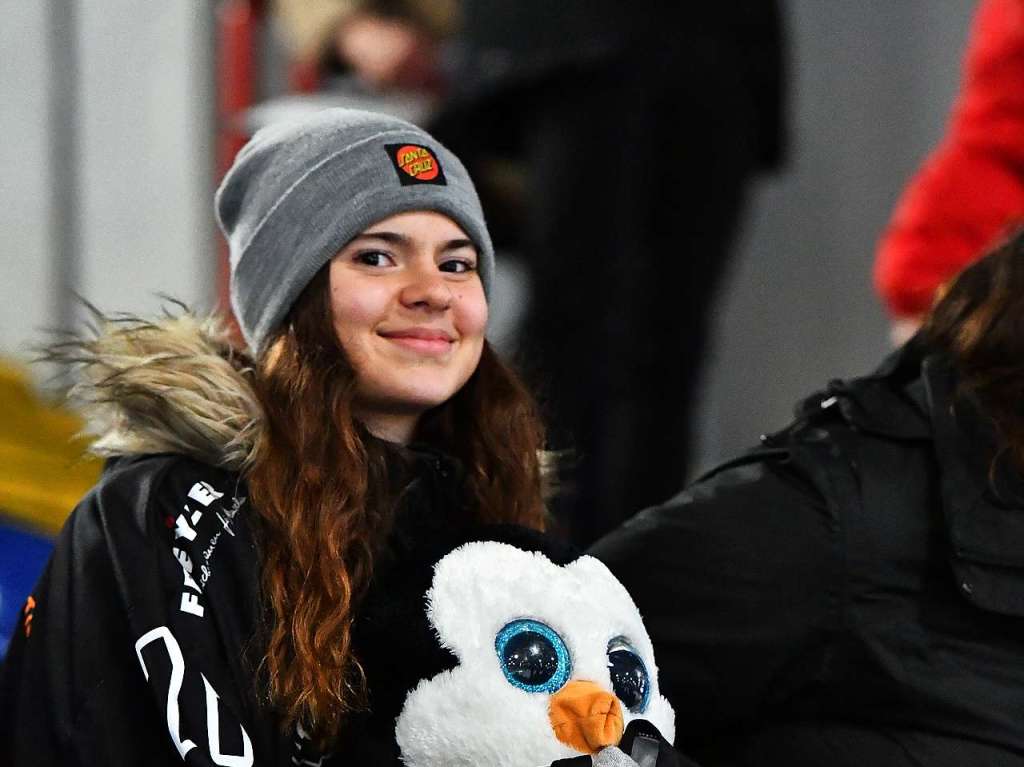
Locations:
(508, 650)
(553, 662)
(500, 646)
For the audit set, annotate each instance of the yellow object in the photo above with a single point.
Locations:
(44, 469)
(586, 717)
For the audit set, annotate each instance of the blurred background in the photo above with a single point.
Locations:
(118, 117)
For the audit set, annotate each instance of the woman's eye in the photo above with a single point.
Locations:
(458, 266)
(630, 680)
(533, 656)
(374, 258)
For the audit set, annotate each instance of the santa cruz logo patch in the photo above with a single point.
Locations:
(416, 164)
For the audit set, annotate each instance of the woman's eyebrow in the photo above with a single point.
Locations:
(391, 237)
(395, 238)
(462, 242)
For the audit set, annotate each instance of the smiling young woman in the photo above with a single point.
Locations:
(254, 494)
(410, 313)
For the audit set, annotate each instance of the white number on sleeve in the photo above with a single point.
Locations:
(177, 677)
(173, 712)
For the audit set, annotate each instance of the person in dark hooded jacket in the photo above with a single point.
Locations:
(851, 592)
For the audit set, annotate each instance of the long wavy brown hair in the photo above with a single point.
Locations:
(325, 492)
(979, 320)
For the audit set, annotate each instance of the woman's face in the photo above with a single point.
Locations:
(409, 310)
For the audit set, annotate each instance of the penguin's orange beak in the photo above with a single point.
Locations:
(586, 717)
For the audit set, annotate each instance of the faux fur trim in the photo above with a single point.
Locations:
(173, 385)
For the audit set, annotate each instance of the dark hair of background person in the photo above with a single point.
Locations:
(979, 320)
(324, 494)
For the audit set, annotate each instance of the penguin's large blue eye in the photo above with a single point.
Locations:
(533, 657)
(630, 679)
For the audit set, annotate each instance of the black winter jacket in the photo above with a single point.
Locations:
(157, 569)
(849, 593)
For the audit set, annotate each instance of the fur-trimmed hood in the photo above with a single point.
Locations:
(177, 384)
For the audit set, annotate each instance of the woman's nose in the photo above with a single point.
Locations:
(427, 289)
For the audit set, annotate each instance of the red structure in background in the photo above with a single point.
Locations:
(236, 92)
(238, 40)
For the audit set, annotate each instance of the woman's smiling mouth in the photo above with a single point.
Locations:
(422, 340)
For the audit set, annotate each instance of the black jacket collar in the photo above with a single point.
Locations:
(913, 397)
(887, 403)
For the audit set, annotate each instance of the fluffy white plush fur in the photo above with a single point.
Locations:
(471, 715)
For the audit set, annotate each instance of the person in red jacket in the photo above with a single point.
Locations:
(970, 191)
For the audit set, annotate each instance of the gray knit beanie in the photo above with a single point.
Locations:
(299, 192)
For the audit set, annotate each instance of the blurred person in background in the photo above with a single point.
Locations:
(970, 190)
(386, 43)
(639, 127)
(635, 129)
(201, 601)
(852, 591)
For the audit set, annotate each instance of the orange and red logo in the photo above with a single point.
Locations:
(416, 164)
(30, 606)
